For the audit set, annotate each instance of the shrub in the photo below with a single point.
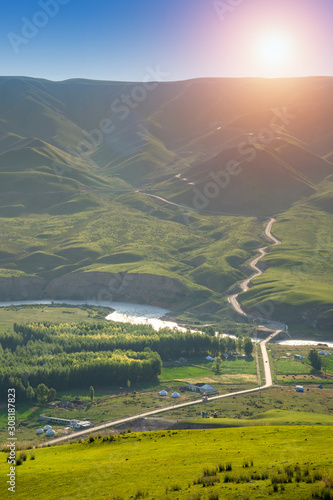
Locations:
(323, 494)
(209, 472)
(289, 471)
(298, 476)
(328, 481)
(228, 466)
(139, 494)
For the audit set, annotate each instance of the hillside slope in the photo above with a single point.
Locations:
(79, 159)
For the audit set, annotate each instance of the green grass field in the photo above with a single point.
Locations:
(287, 370)
(52, 313)
(206, 369)
(270, 417)
(284, 398)
(178, 464)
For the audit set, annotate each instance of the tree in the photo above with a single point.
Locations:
(218, 362)
(223, 346)
(240, 344)
(92, 393)
(52, 394)
(248, 346)
(209, 330)
(42, 393)
(315, 359)
(30, 393)
(231, 344)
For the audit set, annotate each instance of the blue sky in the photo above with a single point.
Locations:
(120, 39)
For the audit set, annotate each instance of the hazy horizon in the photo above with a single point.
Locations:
(60, 40)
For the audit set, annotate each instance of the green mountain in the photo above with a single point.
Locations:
(158, 192)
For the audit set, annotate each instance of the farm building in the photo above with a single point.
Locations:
(175, 395)
(192, 388)
(299, 388)
(77, 401)
(163, 393)
(207, 389)
(199, 388)
(40, 431)
(209, 358)
(50, 433)
(76, 424)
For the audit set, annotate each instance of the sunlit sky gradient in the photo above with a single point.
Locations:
(118, 39)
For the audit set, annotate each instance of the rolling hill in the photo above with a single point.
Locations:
(165, 187)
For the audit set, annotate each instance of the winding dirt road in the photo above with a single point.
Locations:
(244, 285)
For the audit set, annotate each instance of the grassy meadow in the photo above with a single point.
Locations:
(51, 312)
(255, 463)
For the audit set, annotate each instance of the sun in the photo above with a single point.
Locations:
(273, 49)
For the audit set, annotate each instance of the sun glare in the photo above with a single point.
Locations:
(274, 49)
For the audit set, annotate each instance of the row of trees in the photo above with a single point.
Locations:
(51, 338)
(64, 371)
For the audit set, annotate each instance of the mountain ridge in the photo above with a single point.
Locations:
(80, 152)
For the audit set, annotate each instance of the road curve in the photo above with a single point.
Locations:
(244, 285)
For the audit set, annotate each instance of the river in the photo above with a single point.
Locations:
(140, 314)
